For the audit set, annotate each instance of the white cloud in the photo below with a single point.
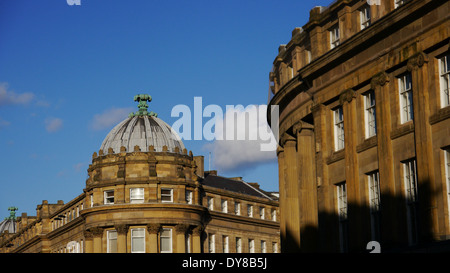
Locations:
(243, 149)
(53, 124)
(110, 117)
(8, 97)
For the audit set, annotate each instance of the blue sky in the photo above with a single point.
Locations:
(68, 74)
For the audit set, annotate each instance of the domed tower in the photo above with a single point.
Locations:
(143, 177)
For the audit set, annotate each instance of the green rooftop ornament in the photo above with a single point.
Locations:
(143, 106)
(12, 213)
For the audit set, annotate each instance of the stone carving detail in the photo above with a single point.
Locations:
(153, 228)
(416, 61)
(121, 229)
(347, 96)
(379, 79)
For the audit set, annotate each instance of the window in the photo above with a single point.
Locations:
(138, 240)
(108, 197)
(188, 242)
(91, 197)
(210, 203)
(238, 245)
(447, 175)
(406, 100)
(212, 243)
(369, 114)
(237, 208)
(334, 36)
(364, 15)
(224, 204)
(166, 240)
(111, 241)
(274, 214)
(444, 72)
(398, 3)
(263, 246)
(341, 190)
(137, 195)
(189, 197)
(225, 244)
(251, 246)
(338, 129)
(374, 204)
(410, 181)
(274, 247)
(249, 210)
(166, 195)
(262, 212)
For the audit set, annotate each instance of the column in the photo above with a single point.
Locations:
(355, 213)
(88, 244)
(197, 242)
(153, 230)
(282, 191)
(291, 211)
(180, 231)
(328, 235)
(426, 182)
(122, 231)
(390, 235)
(97, 241)
(307, 186)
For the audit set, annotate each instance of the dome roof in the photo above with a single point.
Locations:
(9, 225)
(143, 129)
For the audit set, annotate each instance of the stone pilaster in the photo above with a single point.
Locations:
(428, 220)
(153, 230)
(122, 231)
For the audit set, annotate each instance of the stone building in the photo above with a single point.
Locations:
(363, 96)
(146, 193)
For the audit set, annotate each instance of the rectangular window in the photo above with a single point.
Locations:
(166, 195)
(338, 129)
(210, 203)
(444, 72)
(166, 240)
(406, 99)
(263, 247)
(364, 15)
(138, 240)
(225, 244)
(188, 242)
(249, 210)
(410, 182)
(274, 247)
(251, 246)
(224, 204)
(111, 241)
(370, 114)
(447, 176)
(237, 208)
(212, 243)
(374, 204)
(274, 214)
(341, 190)
(137, 195)
(189, 197)
(334, 36)
(108, 197)
(262, 212)
(238, 245)
(91, 197)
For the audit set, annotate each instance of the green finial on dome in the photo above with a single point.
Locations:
(143, 106)
(12, 213)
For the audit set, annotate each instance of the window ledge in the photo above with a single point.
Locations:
(402, 130)
(440, 115)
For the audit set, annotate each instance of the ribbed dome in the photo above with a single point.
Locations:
(142, 131)
(9, 225)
